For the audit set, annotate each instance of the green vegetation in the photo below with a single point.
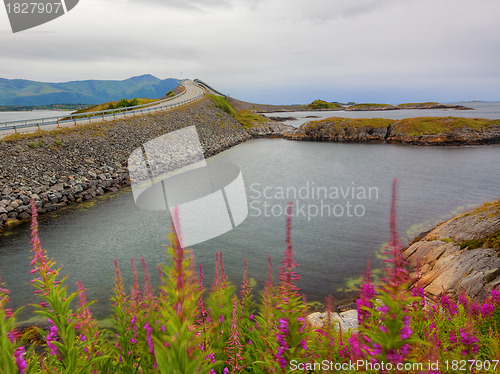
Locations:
(492, 241)
(321, 104)
(341, 122)
(420, 105)
(370, 106)
(446, 240)
(222, 103)
(35, 145)
(187, 326)
(124, 103)
(436, 125)
(246, 118)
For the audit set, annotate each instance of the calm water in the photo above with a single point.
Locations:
(435, 182)
(489, 110)
(24, 115)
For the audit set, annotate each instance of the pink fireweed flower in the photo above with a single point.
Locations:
(448, 305)
(39, 261)
(234, 348)
(468, 341)
(419, 292)
(287, 274)
(149, 332)
(396, 270)
(406, 330)
(462, 299)
(52, 337)
(204, 316)
(366, 295)
(343, 351)
(356, 352)
(487, 309)
(282, 344)
(19, 354)
(495, 296)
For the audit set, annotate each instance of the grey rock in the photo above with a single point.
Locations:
(346, 320)
(445, 266)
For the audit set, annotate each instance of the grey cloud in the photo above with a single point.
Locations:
(199, 5)
(327, 10)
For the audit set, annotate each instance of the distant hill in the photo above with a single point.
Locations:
(25, 92)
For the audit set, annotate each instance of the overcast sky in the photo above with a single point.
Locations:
(273, 51)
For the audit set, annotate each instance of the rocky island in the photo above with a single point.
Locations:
(412, 131)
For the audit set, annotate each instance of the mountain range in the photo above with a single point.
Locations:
(26, 92)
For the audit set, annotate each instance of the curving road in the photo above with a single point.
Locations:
(192, 93)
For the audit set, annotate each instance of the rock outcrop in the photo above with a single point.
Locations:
(271, 130)
(73, 165)
(462, 254)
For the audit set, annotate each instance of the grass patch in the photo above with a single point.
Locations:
(368, 106)
(321, 104)
(436, 125)
(222, 103)
(244, 117)
(492, 241)
(420, 105)
(340, 122)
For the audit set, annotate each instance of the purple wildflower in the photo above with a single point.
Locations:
(20, 361)
(52, 337)
(469, 341)
(355, 347)
(406, 330)
(282, 344)
(149, 331)
(234, 347)
(366, 295)
(487, 309)
(495, 296)
(448, 305)
(462, 299)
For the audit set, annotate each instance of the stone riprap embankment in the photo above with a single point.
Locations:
(462, 254)
(73, 165)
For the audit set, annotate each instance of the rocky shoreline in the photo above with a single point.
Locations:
(67, 166)
(460, 255)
